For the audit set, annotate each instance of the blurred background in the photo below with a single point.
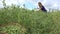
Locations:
(33, 4)
(22, 17)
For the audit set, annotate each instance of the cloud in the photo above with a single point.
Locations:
(52, 4)
(1, 5)
(9, 2)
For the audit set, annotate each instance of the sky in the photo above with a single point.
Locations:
(30, 4)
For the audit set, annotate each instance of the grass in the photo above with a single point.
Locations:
(22, 21)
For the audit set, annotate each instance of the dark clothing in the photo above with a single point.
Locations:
(43, 9)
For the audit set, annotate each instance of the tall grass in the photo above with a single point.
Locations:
(35, 22)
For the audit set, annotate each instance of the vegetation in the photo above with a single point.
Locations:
(17, 20)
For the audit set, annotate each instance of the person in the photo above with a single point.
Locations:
(41, 7)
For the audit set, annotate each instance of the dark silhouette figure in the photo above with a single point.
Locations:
(41, 7)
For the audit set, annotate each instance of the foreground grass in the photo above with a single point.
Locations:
(22, 21)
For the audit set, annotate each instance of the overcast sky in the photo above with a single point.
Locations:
(54, 4)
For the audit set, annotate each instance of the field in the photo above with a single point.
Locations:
(23, 21)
